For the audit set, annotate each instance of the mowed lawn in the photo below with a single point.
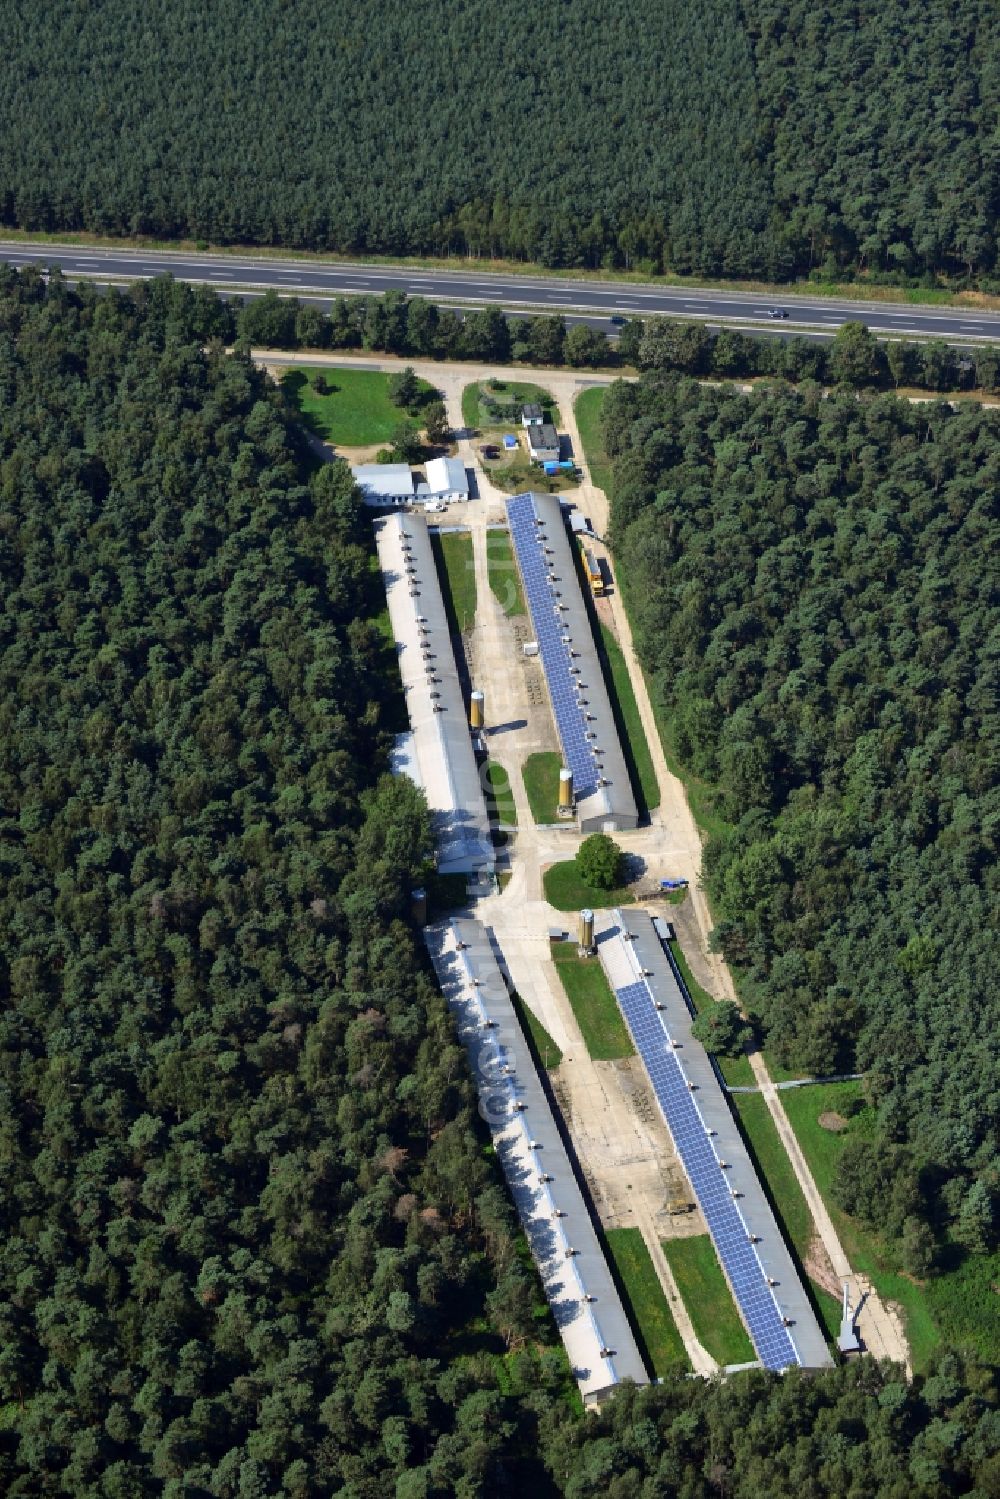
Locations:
(957, 1302)
(634, 741)
(588, 419)
(662, 1348)
(522, 392)
(706, 1295)
(567, 891)
(457, 571)
(547, 1053)
(502, 572)
(782, 1186)
(540, 773)
(354, 412)
(593, 1004)
(499, 796)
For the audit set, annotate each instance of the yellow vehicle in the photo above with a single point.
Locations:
(595, 575)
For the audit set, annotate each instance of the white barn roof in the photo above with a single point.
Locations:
(387, 481)
(571, 1261)
(442, 744)
(447, 476)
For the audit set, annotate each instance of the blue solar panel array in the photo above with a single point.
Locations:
(708, 1178)
(557, 661)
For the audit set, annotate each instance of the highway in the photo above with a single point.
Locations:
(596, 301)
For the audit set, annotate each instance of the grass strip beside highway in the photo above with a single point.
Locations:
(593, 1004)
(540, 773)
(706, 1294)
(567, 891)
(355, 409)
(662, 1345)
(457, 571)
(503, 575)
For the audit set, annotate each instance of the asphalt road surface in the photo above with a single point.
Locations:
(597, 301)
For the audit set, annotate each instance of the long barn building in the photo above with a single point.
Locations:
(439, 754)
(571, 1261)
(755, 1259)
(581, 707)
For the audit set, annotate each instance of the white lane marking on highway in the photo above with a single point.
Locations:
(976, 327)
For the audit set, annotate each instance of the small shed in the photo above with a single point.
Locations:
(532, 415)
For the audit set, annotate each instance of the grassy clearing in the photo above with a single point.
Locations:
(630, 729)
(499, 796)
(521, 391)
(593, 1004)
(736, 1070)
(355, 411)
(546, 1052)
(565, 890)
(587, 407)
(540, 773)
(782, 1186)
(457, 570)
(503, 575)
(663, 1348)
(708, 1299)
(958, 1302)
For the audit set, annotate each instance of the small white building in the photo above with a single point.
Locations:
(447, 480)
(532, 416)
(543, 443)
(385, 483)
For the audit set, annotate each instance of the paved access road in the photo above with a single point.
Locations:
(597, 300)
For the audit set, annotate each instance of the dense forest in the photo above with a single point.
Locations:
(732, 138)
(815, 594)
(245, 1210)
(251, 1243)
